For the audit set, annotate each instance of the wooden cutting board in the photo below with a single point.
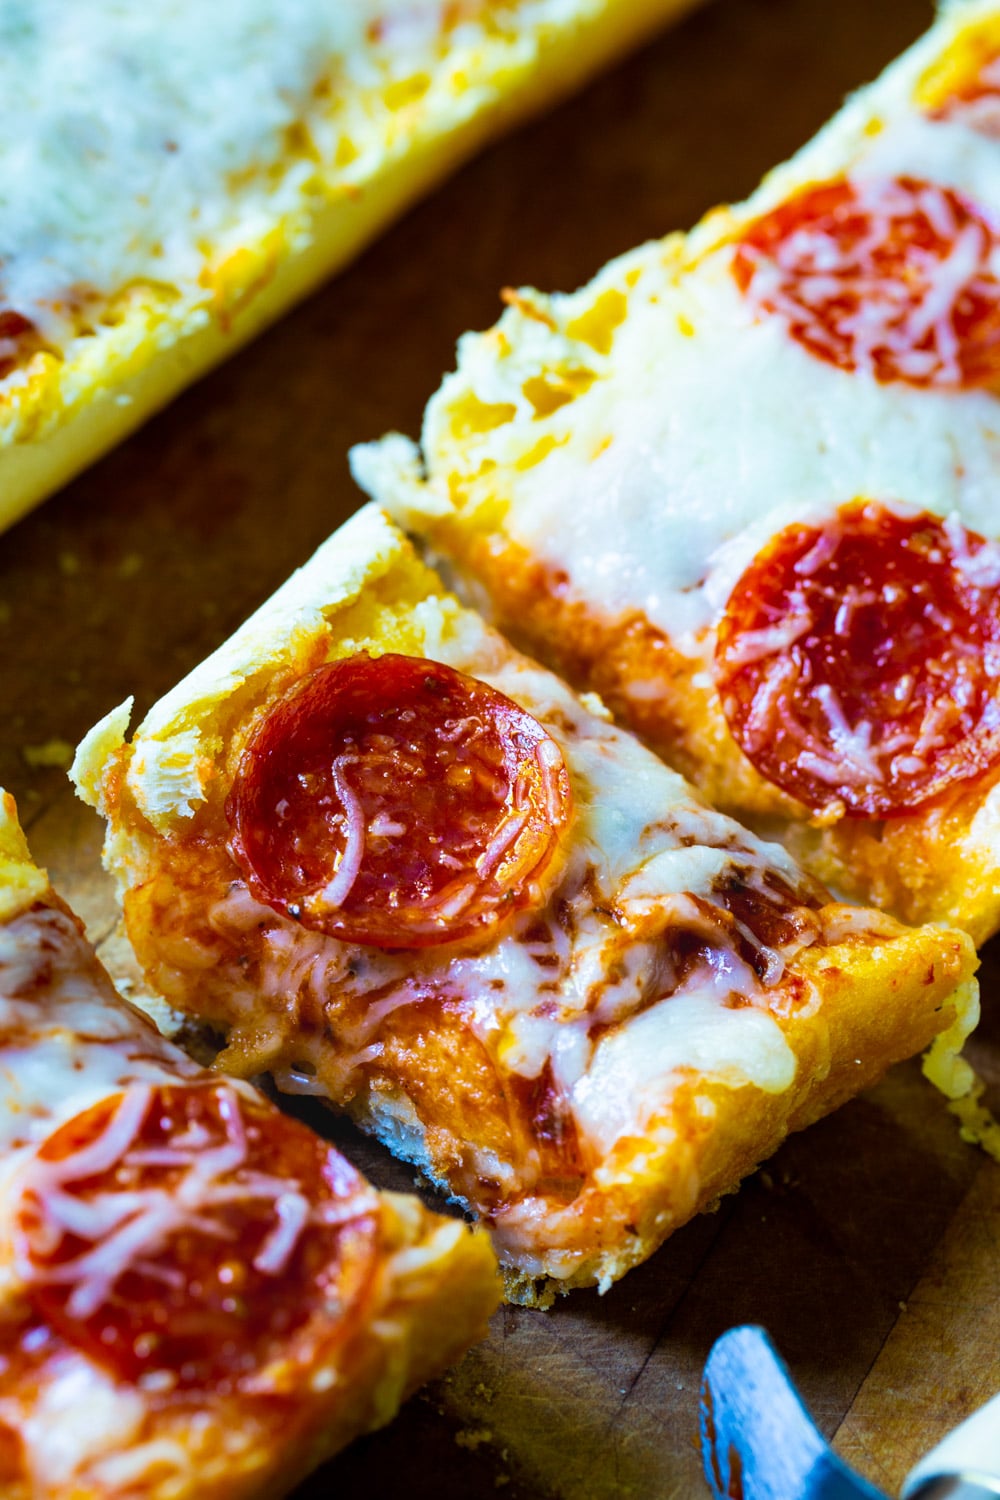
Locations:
(870, 1246)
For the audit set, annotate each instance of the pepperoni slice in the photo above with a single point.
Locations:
(396, 802)
(189, 1236)
(894, 278)
(859, 661)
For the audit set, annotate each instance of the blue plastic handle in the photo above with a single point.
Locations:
(758, 1442)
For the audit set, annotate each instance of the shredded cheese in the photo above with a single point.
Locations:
(128, 1229)
(337, 890)
(882, 300)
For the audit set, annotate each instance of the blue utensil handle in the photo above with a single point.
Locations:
(758, 1441)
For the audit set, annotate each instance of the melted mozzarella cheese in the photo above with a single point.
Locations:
(624, 1086)
(67, 1042)
(688, 491)
(160, 103)
(66, 1039)
(708, 428)
(41, 1085)
(145, 142)
(80, 1415)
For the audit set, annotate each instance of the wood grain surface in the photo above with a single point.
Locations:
(870, 1246)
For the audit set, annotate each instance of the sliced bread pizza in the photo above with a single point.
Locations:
(744, 485)
(175, 174)
(198, 1296)
(401, 866)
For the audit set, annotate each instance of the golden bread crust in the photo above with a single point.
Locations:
(22, 883)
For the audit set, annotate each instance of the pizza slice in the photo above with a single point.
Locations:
(176, 174)
(743, 485)
(399, 865)
(198, 1296)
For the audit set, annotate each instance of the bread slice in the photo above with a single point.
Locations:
(125, 1370)
(612, 470)
(662, 1002)
(181, 174)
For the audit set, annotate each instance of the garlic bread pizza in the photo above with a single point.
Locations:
(399, 865)
(744, 485)
(175, 174)
(199, 1297)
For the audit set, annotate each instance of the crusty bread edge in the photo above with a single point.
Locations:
(880, 1004)
(437, 1290)
(22, 883)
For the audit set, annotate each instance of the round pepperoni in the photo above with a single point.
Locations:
(858, 661)
(191, 1236)
(895, 278)
(395, 802)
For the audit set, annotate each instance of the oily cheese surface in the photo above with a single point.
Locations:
(177, 533)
